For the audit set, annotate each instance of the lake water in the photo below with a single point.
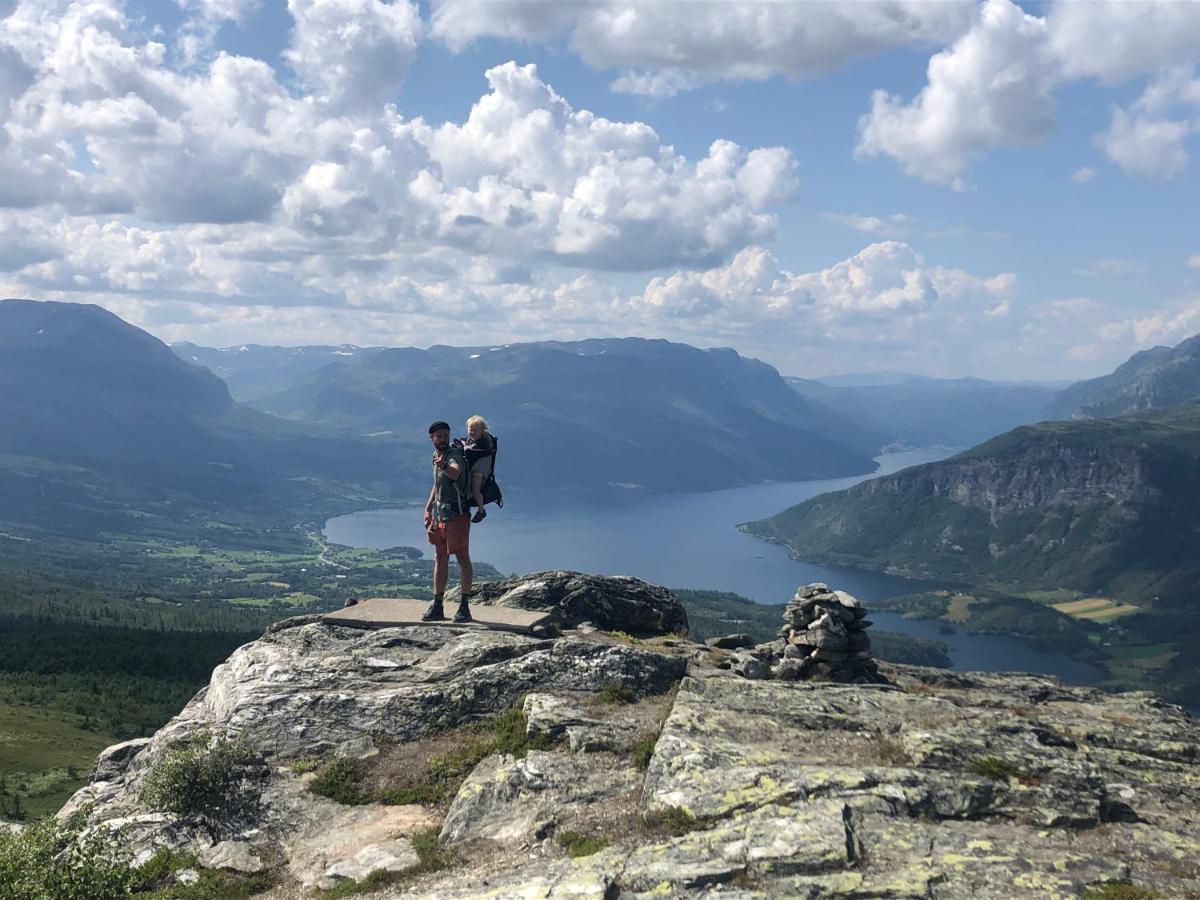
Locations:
(691, 541)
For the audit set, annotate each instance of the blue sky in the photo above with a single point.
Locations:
(1020, 202)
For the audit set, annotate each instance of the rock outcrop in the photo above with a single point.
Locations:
(612, 603)
(932, 784)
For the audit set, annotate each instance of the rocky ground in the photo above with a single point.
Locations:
(645, 765)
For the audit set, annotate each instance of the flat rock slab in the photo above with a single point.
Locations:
(385, 612)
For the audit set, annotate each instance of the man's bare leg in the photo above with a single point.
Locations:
(441, 572)
(466, 576)
(466, 572)
(441, 575)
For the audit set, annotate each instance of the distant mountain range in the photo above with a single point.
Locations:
(102, 422)
(922, 412)
(252, 371)
(1152, 379)
(596, 413)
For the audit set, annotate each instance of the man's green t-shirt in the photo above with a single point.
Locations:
(451, 496)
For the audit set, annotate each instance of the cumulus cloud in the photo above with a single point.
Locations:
(888, 279)
(673, 45)
(995, 86)
(1083, 175)
(1113, 40)
(353, 52)
(101, 123)
(1149, 138)
(1193, 261)
(527, 171)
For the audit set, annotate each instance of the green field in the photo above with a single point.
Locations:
(44, 758)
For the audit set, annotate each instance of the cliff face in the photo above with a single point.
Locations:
(648, 767)
(1089, 505)
(1152, 379)
(1046, 474)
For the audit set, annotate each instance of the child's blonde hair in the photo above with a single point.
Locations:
(477, 420)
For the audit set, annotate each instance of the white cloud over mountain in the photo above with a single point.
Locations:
(220, 197)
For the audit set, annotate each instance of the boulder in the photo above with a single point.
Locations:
(512, 801)
(609, 602)
(114, 760)
(730, 642)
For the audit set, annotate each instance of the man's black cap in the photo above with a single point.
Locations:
(439, 426)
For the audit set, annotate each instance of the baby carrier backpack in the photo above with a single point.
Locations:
(490, 489)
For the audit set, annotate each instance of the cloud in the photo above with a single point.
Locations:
(995, 87)
(674, 45)
(1083, 175)
(353, 52)
(1193, 261)
(1113, 40)
(992, 86)
(868, 224)
(527, 172)
(101, 124)
(1111, 267)
(888, 279)
(1148, 139)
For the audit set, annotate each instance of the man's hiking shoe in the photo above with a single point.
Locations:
(350, 601)
(463, 614)
(435, 613)
(479, 516)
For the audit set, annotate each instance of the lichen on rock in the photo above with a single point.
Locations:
(918, 783)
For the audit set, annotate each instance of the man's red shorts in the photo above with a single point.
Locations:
(453, 536)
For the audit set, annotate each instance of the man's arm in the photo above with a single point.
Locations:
(454, 464)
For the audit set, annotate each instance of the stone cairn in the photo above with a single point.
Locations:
(823, 638)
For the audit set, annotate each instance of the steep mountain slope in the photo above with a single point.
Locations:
(595, 413)
(1105, 505)
(103, 421)
(1152, 379)
(253, 371)
(921, 412)
(1107, 508)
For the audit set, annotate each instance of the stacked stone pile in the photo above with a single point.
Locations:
(826, 636)
(823, 638)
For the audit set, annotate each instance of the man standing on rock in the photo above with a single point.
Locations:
(448, 522)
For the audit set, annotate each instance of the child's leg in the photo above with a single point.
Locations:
(477, 493)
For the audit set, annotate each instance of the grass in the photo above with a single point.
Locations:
(995, 768)
(674, 820)
(1119, 890)
(342, 779)
(1096, 609)
(44, 758)
(643, 750)
(578, 845)
(614, 694)
(891, 751)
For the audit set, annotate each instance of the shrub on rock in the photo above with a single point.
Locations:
(206, 776)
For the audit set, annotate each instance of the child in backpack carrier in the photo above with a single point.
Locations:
(480, 447)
